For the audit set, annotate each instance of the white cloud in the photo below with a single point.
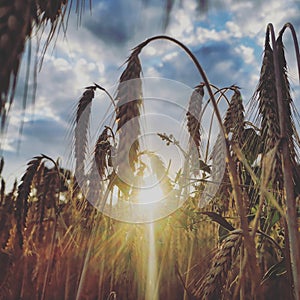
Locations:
(252, 17)
(83, 58)
(204, 35)
(233, 29)
(181, 24)
(7, 144)
(151, 72)
(150, 51)
(61, 65)
(247, 54)
(170, 56)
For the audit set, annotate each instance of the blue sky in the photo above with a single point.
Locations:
(227, 39)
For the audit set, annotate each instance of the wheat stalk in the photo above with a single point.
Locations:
(1, 165)
(23, 194)
(17, 19)
(194, 114)
(81, 129)
(160, 170)
(102, 160)
(2, 192)
(15, 24)
(193, 124)
(293, 233)
(234, 119)
(218, 177)
(266, 95)
(267, 100)
(287, 99)
(24, 189)
(129, 97)
(102, 150)
(40, 205)
(213, 281)
(237, 191)
(51, 10)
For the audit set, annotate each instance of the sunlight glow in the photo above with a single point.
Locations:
(150, 194)
(152, 278)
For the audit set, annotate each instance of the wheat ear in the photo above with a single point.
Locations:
(129, 101)
(213, 282)
(23, 194)
(234, 119)
(81, 129)
(15, 25)
(194, 114)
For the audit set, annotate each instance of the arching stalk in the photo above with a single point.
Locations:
(234, 179)
(287, 166)
(222, 92)
(295, 40)
(107, 93)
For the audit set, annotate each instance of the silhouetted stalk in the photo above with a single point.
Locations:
(222, 95)
(53, 237)
(107, 93)
(185, 282)
(87, 256)
(295, 40)
(287, 172)
(234, 179)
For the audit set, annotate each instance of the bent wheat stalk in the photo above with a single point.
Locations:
(287, 172)
(234, 179)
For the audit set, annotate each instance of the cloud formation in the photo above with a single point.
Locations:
(227, 40)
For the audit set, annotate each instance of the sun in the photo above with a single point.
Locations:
(150, 194)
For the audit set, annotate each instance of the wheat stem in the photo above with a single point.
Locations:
(234, 179)
(287, 174)
(295, 40)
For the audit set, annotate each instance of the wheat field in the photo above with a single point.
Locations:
(56, 242)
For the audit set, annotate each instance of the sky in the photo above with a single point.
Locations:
(227, 39)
